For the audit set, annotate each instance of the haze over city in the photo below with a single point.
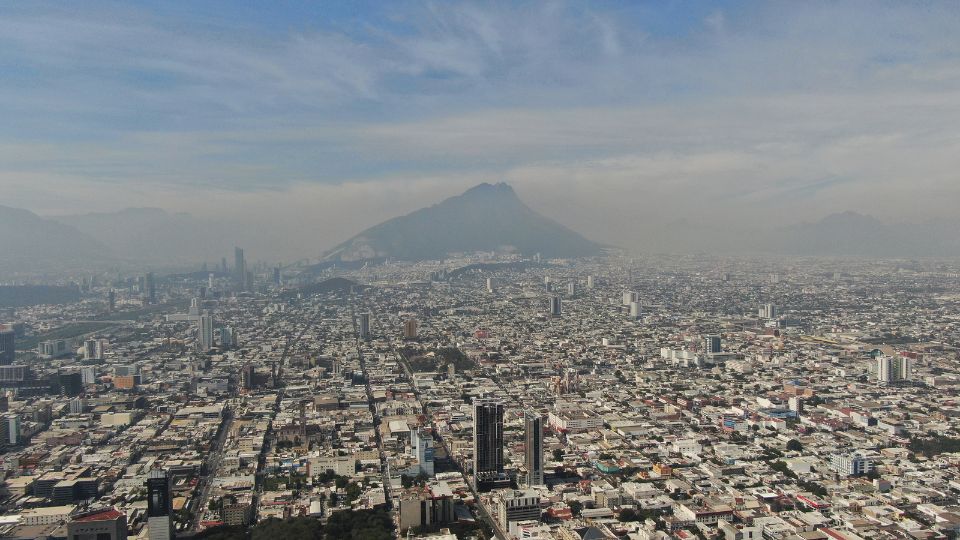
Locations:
(546, 270)
(289, 128)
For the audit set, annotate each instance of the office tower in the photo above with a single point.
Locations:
(555, 307)
(248, 280)
(547, 284)
(711, 344)
(533, 449)
(159, 507)
(768, 311)
(487, 442)
(205, 332)
(635, 310)
(150, 288)
(100, 524)
(112, 299)
(572, 288)
(364, 326)
(410, 329)
(422, 446)
(490, 284)
(210, 281)
(590, 282)
(228, 337)
(239, 266)
(223, 265)
(70, 383)
(276, 276)
(7, 346)
(630, 297)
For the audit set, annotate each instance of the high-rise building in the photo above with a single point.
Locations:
(590, 282)
(101, 524)
(364, 326)
(239, 266)
(422, 445)
(88, 375)
(490, 285)
(159, 507)
(487, 442)
(893, 369)
(635, 310)
(572, 288)
(630, 297)
(711, 344)
(276, 275)
(7, 346)
(768, 311)
(223, 265)
(11, 428)
(93, 349)
(555, 306)
(410, 329)
(228, 338)
(150, 288)
(516, 505)
(205, 332)
(533, 449)
(112, 300)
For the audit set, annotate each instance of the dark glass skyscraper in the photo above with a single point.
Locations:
(533, 449)
(159, 506)
(7, 346)
(487, 442)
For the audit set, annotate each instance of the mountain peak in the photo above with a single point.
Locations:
(486, 217)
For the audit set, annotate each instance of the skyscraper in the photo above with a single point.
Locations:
(364, 326)
(239, 267)
(711, 344)
(150, 288)
(410, 329)
(555, 307)
(590, 282)
(533, 449)
(487, 442)
(159, 506)
(7, 346)
(423, 450)
(635, 310)
(205, 332)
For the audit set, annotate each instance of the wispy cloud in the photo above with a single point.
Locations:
(629, 112)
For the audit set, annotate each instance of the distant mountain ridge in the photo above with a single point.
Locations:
(29, 241)
(487, 217)
(853, 234)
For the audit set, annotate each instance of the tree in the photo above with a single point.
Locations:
(575, 507)
(794, 445)
(557, 454)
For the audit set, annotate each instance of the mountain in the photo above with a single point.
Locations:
(31, 242)
(487, 217)
(853, 234)
(151, 234)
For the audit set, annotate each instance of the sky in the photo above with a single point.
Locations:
(309, 121)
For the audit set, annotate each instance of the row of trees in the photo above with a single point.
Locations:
(343, 525)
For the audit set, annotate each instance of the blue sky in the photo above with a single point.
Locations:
(651, 110)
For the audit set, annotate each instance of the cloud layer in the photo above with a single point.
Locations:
(305, 124)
